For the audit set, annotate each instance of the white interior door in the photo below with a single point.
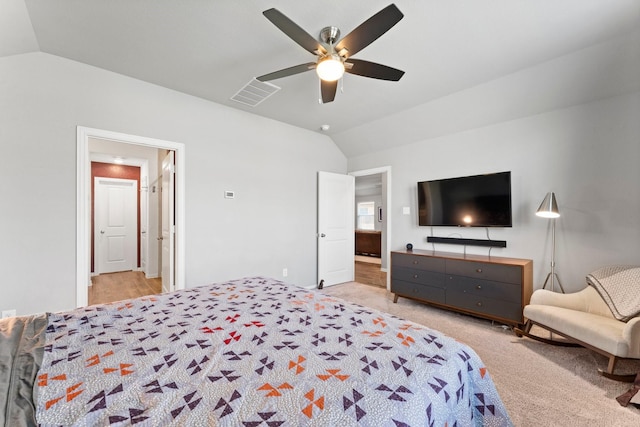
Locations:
(168, 223)
(336, 199)
(116, 226)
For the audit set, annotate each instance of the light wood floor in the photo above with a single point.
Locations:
(367, 271)
(113, 287)
(368, 259)
(124, 285)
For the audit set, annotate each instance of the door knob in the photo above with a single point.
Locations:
(322, 235)
(101, 231)
(159, 238)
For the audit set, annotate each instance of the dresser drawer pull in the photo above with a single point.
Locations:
(478, 270)
(479, 304)
(478, 287)
(415, 276)
(415, 262)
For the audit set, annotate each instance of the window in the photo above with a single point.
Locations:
(366, 216)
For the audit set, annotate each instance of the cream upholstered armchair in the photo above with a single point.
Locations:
(587, 319)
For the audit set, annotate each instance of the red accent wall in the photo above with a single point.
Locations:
(108, 170)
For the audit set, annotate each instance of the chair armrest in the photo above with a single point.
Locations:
(575, 301)
(631, 334)
(587, 300)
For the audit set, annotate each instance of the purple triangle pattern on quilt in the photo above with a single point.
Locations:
(256, 352)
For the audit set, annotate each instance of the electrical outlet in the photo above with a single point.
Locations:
(285, 272)
(8, 313)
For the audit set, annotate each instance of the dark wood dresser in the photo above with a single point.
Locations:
(495, 288)
(368, 243)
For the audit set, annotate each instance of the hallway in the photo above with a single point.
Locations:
(113, 287)
(367, 271)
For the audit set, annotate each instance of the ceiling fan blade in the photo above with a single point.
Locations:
(373, 70)
(370, 30)
(328, 90)
(294, 32)
(296, 69)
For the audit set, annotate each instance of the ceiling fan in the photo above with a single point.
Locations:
(335, 54)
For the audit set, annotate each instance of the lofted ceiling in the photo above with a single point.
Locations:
(212, 48)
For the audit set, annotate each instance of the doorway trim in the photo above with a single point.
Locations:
(387, 216)
(83, 203)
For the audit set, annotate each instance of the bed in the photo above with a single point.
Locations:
(248, 352)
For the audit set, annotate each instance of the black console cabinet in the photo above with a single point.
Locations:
(495, 288)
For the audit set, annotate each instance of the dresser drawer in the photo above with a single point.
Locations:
(482, 270)
(421, 277)
(418, 262)
(487, 306)
(485, 288)
(414, 290)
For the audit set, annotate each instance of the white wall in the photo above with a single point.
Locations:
(588, 154)
(271, 166)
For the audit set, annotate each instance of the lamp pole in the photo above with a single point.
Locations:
(552, 275)
(549, 209)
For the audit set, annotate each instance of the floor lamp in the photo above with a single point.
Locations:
(549, 209)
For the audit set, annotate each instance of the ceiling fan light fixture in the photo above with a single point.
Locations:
(330, 68)
(334, 53)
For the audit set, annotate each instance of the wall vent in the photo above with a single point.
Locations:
(254, 92)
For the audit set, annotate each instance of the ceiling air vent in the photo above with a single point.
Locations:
(254, 92)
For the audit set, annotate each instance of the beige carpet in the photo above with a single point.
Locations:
(541, 385)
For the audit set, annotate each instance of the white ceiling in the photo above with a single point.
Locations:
(368, 185)
(212, 48)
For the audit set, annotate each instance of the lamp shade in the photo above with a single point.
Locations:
(549, 207)
(330, 68)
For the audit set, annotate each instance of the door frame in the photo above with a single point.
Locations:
(385, 171)
(83, 203)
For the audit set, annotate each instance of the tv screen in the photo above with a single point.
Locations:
(470, 201)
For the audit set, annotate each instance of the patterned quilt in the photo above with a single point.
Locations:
(256, 352)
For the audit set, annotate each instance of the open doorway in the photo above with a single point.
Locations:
(124, 221)
(95, 143)
(372, 219)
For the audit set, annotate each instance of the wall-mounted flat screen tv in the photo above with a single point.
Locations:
(469, 201)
